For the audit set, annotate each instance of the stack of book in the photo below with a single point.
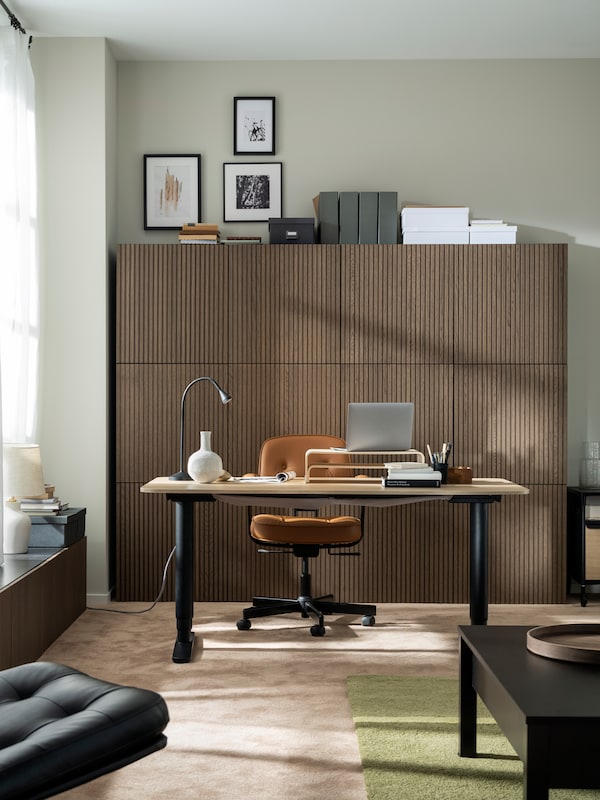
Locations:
(492, 231)
(44, 505)
(425, 224)
(411, 473)
(200, 233)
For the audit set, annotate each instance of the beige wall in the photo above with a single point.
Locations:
(76, 99)
(510, 139)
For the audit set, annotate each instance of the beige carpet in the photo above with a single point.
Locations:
(264, 714)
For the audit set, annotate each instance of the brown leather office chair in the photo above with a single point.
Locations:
(302, 535)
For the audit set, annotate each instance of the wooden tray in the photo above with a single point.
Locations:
(579, 643)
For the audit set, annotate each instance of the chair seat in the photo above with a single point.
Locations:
(322, 531)
(60, 727)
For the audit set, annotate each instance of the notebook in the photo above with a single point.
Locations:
(379, 426)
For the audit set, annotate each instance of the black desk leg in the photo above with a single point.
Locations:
(184, 579)
(479, 562)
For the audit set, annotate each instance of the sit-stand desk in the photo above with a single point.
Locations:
(478, 495)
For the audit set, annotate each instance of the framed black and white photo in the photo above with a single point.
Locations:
(254, 126)
(171, 191)
(251, 191)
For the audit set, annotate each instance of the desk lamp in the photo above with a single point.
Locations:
(22, 468)
(182, 475)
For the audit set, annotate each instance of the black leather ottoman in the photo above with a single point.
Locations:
(60, 728)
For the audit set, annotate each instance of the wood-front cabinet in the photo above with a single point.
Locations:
(474, 335)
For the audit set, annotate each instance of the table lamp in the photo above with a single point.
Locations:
(22, 477)
(182, 475)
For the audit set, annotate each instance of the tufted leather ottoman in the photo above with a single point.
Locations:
(60, 728)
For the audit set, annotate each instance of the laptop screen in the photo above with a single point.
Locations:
(382, 427)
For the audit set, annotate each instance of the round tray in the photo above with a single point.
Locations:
(579, 643)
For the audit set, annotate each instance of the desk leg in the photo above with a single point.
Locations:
(184, 579)
(478, 589)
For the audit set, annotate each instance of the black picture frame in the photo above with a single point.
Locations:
(254, 126)
(252, 191)
(172, 194)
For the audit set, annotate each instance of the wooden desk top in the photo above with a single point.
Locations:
(297, 487)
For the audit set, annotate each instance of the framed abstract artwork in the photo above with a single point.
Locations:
(252, 192)
(171, 191)
(254, 126)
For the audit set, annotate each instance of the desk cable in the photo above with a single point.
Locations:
(143, 610)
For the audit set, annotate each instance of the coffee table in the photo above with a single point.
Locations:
(549, 710)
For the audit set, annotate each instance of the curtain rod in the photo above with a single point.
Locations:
(13, 20)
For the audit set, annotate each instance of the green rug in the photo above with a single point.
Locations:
(407, 732)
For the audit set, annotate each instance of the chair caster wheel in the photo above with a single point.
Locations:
(317, 630)
(368, 622)
(243, 624)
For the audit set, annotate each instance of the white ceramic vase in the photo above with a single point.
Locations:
(204, 465)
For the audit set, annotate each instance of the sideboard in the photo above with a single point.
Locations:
(474, 335)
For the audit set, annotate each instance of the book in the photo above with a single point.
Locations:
(387, 220)
(368, 210)
(200, 227)
(431, 481)
(198, 237)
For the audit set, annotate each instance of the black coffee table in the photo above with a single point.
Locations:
(548, 710)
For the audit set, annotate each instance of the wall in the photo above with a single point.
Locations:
(510, 139)
(514, 139)
(76, 98)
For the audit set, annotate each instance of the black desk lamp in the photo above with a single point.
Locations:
(182, 475)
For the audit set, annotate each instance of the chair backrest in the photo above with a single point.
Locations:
(285, 453)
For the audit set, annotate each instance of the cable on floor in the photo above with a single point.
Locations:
(143, 610)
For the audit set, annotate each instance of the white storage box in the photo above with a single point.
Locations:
(434, 218)
(479, 234)
(455, 236)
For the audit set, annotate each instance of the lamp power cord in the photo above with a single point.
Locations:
(143, 610)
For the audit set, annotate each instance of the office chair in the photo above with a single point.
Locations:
(304, 536)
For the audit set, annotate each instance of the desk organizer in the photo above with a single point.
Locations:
(347, 460)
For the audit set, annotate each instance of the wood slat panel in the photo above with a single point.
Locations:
(511, 304)
(396, 304)
(475, 337)
(516, 421)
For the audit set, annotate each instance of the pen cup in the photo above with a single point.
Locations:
(442, 468)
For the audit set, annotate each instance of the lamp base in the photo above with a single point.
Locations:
(180, 476)
(17, 529)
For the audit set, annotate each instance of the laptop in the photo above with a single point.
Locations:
(379, 426)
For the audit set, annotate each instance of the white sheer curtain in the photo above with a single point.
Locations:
(19, 275)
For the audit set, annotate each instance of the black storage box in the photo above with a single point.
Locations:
(292, 230)
(58, 530)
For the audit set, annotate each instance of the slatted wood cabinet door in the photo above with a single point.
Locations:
(475, 336)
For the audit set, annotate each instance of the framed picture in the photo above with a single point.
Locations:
(254, 126)
(251, 192)
(171, 191)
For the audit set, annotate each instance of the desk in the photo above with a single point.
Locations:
(477, 495)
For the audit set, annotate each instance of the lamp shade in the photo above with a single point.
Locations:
(22, 470)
